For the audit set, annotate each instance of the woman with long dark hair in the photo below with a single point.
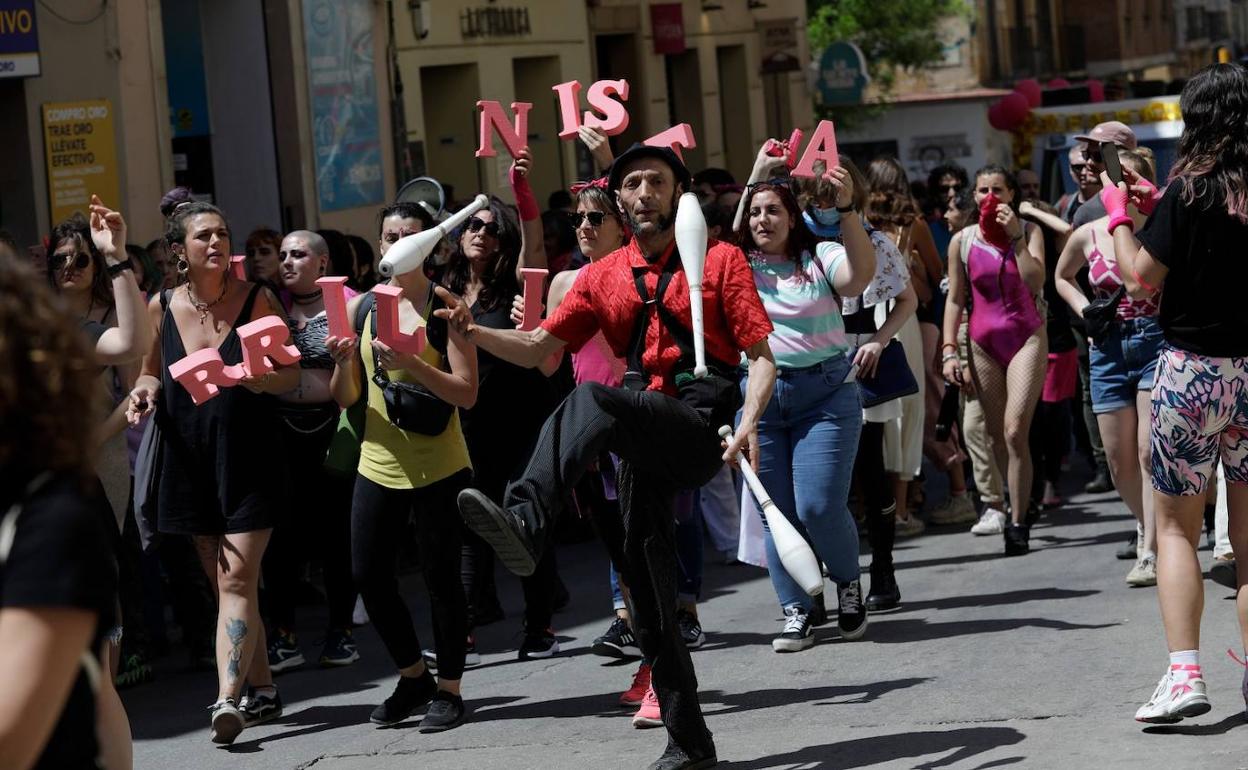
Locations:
(808, 435)
(999, 265)
(217, 482)
(1191, 250)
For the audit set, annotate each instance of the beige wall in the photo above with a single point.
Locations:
(118, 57)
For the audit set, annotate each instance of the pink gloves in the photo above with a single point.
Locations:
(1149, 199)
(1115, 201)
(526, 202)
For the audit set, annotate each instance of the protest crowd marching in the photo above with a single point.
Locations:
(190, 429)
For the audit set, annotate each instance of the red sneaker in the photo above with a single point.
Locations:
(637, 693)
(649, 714)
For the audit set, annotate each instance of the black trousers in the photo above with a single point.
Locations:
(379, 517)
(664, 445)
(317, 523)
(877, 492)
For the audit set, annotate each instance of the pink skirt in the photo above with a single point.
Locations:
(1060, 376)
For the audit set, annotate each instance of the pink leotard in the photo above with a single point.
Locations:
(1003, 310)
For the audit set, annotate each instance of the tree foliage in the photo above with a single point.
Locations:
(893, 35)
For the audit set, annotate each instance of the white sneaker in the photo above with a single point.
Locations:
(1144, 573)
(359, 615)
(991, 523)
(1179, 694)
(958, 509)
(911, 526)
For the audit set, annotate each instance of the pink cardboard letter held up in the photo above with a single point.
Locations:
(203, 372)
(534, 281)
(388, 322)
(515, 138)
(264, 341)
(822, 147)
(238, 267)
(614, 118)
(676, 137)
(569, 107)
(334, 295)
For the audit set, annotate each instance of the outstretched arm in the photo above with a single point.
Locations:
(527, 349)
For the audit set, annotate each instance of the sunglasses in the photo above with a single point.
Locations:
(595, 218)
(81, 261)
(1077, 167)
(476, 225)
(950, 187)
(775, 181)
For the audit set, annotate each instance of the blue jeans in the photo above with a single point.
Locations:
(808, 439)
(1125, 364)
(688, 553)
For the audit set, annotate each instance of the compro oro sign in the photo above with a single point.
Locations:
(81, 155)
(19, 40)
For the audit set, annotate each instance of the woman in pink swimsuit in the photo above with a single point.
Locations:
(1124, 354)
(999, 267)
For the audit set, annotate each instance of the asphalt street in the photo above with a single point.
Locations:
(1031, 662)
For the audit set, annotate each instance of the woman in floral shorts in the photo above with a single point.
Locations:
(1192, 250)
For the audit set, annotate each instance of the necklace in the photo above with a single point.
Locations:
(306, 299)
(202, 307)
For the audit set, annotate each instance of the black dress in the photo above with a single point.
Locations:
(222, 467)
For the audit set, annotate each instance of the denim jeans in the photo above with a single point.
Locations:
(688, 554)
(808, 438)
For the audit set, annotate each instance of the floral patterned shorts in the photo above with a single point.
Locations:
(1200, 413)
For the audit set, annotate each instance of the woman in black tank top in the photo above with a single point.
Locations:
(217, 479)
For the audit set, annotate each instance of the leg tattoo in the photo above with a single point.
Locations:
(236, 631)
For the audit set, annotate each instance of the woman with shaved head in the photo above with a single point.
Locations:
(321, 502)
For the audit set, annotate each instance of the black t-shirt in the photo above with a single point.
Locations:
(60, 558)
(1206, 250)
(1089, 211)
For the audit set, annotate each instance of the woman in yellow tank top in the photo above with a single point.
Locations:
(401, 474)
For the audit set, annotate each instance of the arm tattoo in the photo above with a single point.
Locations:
(236, 631)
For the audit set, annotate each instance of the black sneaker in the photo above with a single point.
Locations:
(501, 529)
(1223, 572)
(798, 634)
(819, 612)
(1099, 484)
(410, 693)
(690, 629)
(1129, 551)
(885, 596)
(852, 617)
(284, 653)
(446, 712)
(1016, 540)
(542, 644)
(258, 707)
(340, 649)
(676, 758)
(617, 642)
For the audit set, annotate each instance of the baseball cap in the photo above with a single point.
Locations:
(638, 151)
(1110, 131)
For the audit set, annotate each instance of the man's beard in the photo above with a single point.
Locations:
(659, 225)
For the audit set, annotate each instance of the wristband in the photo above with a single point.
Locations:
(949, 345)
(1151, 289)
(526, 202)
(946, 358)
(847, 210)
(119, 268)
(1121, 218)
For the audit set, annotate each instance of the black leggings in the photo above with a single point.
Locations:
(318, 522)
(877, 492)
(1050, 441)
(379, 517)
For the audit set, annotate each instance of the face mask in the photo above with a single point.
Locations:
(825, 217)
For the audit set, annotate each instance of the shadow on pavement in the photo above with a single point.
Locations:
(1218, 728)
(994, 600)
(964, 742)
(889, 631)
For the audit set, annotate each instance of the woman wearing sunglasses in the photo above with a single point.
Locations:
(512, 402)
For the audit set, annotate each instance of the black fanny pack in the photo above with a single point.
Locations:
(410, 406)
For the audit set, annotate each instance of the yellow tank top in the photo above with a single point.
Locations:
(393, 457)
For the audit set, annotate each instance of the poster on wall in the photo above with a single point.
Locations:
(19, 39)
(342, 90)
(80, 152)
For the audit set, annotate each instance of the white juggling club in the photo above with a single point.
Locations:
(691, 242)
(795, 554)
(409, 252)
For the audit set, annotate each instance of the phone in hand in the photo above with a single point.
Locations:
(1113, 166)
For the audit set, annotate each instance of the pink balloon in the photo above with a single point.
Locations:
(1059, 83)
(1009, 113)
(1096, 90)
(1030, 89)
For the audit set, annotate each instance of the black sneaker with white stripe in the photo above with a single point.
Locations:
(852, 616)
(798, 634)
(260, 707)
(617, 642)
(690, 629)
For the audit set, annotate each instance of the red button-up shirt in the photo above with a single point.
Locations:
(604, 297)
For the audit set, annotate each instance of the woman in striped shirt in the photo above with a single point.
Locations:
(808, 435)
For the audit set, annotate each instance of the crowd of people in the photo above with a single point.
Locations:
(856, 324)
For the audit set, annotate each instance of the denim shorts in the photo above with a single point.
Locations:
(1124, 364)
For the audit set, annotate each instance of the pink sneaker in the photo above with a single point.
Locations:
(641, 683)
(1180, 694)
(648, 715)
